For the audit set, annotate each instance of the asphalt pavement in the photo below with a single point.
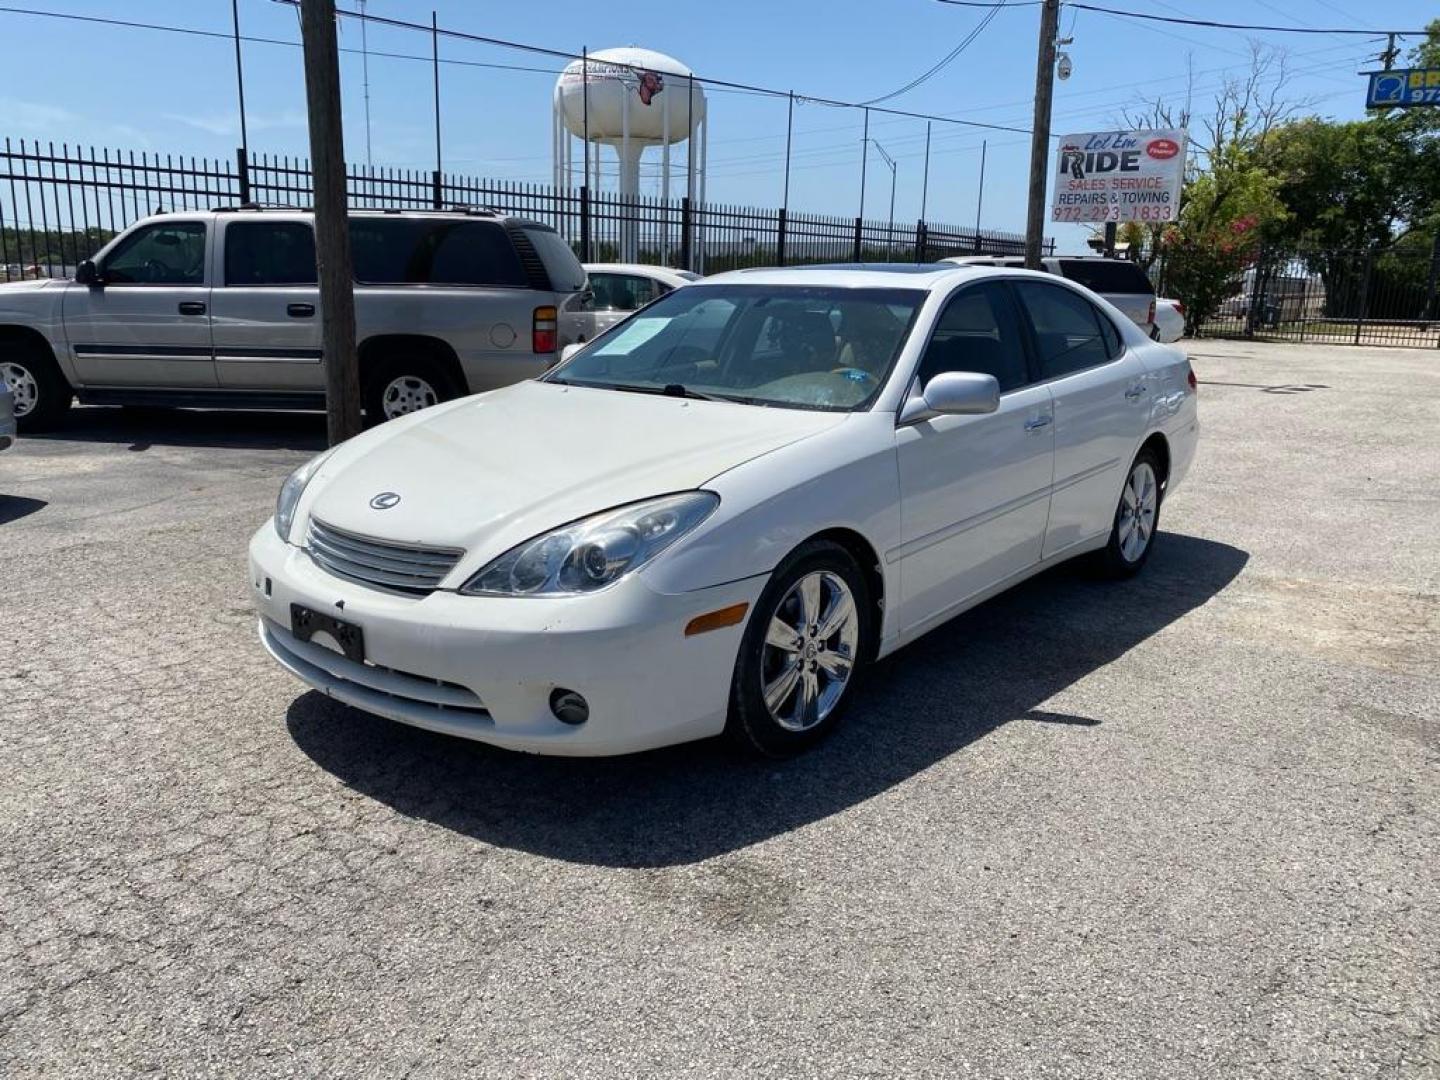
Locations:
(1184, 826)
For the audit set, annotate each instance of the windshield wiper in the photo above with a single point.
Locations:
(675, 389)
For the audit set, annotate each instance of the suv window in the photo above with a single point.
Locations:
(413, 251)
(624, 292)
(1107, 275)
(1067, 328)
(166, 253)
(566, 273)
(978, 331)
(269, 253)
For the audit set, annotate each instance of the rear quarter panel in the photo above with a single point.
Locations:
(489, 329)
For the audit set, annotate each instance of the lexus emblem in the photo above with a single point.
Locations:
(384, 501)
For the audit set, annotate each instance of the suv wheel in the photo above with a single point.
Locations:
(406, 383)
(41, 393)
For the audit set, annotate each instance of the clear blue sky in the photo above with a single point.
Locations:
(142, 89)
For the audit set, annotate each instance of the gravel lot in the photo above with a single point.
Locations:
(1187, 826)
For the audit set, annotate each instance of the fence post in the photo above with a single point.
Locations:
(585, 223)
(859, 224)
(242, 173)
(921, 239)
(1364, 294)
(1431, 309)
(780, 239)
(435, 193)
(685, 248)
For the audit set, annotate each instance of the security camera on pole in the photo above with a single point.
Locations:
(1040, 134)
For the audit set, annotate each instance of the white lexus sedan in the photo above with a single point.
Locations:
(712, 517)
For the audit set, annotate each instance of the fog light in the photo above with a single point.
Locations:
(568, 706)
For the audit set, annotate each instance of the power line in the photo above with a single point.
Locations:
(944, 63)
(1212, 24)
(729, 84)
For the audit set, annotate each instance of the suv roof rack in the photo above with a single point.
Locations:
(255, 206)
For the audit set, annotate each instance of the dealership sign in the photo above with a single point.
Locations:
(1403, 89)
(1120, 176)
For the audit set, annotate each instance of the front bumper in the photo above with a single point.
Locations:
(484, 667)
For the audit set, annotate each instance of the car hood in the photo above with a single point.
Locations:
(489, 472)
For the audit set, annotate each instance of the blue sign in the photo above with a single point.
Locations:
(1404, 88)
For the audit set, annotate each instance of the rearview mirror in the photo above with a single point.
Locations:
(953, 393)
(570, 350)
(86, 273)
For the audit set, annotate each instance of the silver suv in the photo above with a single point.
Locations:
(220, 309)
(1119, 281)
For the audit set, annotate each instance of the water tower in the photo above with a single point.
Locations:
(629, 100)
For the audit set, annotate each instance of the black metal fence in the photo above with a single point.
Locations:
(59, 204)
(1382, 296)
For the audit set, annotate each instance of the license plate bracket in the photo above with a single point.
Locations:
(306, 623)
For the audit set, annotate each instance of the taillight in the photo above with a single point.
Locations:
(1190, 378)
(1178, 306)
(543, 333)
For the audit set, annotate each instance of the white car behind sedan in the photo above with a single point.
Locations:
(616, 290)
(715, 515)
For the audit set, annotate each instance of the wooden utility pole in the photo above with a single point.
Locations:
(1040, 136)
(332, 227)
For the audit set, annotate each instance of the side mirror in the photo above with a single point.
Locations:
(86, 273)
(953, 393)
(570, 350)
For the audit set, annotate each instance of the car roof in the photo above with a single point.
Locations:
(866, 275)
(644, 269)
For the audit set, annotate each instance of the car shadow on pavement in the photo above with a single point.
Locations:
(15, 507)
(142, 428)
(991, 666)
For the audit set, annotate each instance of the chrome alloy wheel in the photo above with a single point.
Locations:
(22, 384)
(407, 394)
(810, 649)
(1138, 503)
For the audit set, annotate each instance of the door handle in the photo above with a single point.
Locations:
(1035, 423)
(1135, 391)
(300, 311)
(192, 307)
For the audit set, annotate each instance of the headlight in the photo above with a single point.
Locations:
(290, 493)
(594, 552)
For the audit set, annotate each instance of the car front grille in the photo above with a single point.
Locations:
(406, 568)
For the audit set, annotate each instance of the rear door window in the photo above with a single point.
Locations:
(269, 253)
(413, 251)
(1107, 276)
(1067, 328)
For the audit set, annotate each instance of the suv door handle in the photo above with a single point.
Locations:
(300, 311)
(192, 307)
(1035, 423)
(1135, 391)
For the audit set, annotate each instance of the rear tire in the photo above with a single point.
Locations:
(405, 382)
(1137, 517)
(42, 396)
(803, 649)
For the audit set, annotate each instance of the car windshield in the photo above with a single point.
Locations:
(792, 346)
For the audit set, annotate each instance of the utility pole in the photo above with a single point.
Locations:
(240, 86)
(332, 227)
(1391, 52)
(1040, 136)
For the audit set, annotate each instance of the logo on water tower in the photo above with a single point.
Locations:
(651, 83)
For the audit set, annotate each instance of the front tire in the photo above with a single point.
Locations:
(1137, 517)
(42, 396)
(802, 652)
